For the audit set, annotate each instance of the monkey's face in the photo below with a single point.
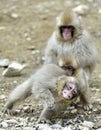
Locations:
(69, 69)
(70, 90)
(67, 32)
(68, 26)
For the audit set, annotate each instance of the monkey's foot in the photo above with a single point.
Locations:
(10, 112)
(44, 120)
(88, 107)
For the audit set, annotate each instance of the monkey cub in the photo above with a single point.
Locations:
(51, 86)
(69, 64)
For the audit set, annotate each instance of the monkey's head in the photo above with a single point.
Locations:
(69, 26)
(68, 88)
(68, 63)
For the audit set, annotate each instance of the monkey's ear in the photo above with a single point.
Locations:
(58, 21)
(60, 62)
(60, 83)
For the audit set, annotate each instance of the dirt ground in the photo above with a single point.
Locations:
(28, 23)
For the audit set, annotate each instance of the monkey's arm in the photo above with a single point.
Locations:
(51, 51)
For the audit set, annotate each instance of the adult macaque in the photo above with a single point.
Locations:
(70, 37)
(47, 86)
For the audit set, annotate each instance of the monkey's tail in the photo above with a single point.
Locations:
(19, 93)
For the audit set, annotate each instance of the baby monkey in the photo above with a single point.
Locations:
(69, 64)
(51, 86)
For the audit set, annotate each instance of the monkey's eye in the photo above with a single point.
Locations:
(64, 67)
(62, 27)
(74, 92)
(71, 68)
(69, 87)
(71, 27)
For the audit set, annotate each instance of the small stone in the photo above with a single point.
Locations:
(70, 127)
(35, 52)
(14, 69)
(88, 124)
(2, 97)
(4, 124)
(99, 11)
(74, 111)
(31, 48)
(84, 128)
(97, 124)
(56, 127)
(14, 15)
(26, 108)
(81, 9)
(4, 62)
(2, 27)
(44, 127)
(12, 121)
(28, 39)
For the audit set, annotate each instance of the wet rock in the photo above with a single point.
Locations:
(81, 9)
(4, 63)
(14, 69)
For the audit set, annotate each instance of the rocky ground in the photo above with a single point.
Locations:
(25, 27)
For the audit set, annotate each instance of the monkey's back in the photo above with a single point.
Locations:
(46, 78)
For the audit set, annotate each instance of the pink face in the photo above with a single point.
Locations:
(70, 91)
(67, 32)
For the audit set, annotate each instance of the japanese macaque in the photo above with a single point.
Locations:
(69, 64)
(51, 86)
(70, 37)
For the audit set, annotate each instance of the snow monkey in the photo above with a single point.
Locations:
(70, 37)
(69, 64)
(52, 86)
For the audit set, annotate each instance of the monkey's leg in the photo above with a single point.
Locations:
(85, 98)
(48, 113)
(19, 93)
